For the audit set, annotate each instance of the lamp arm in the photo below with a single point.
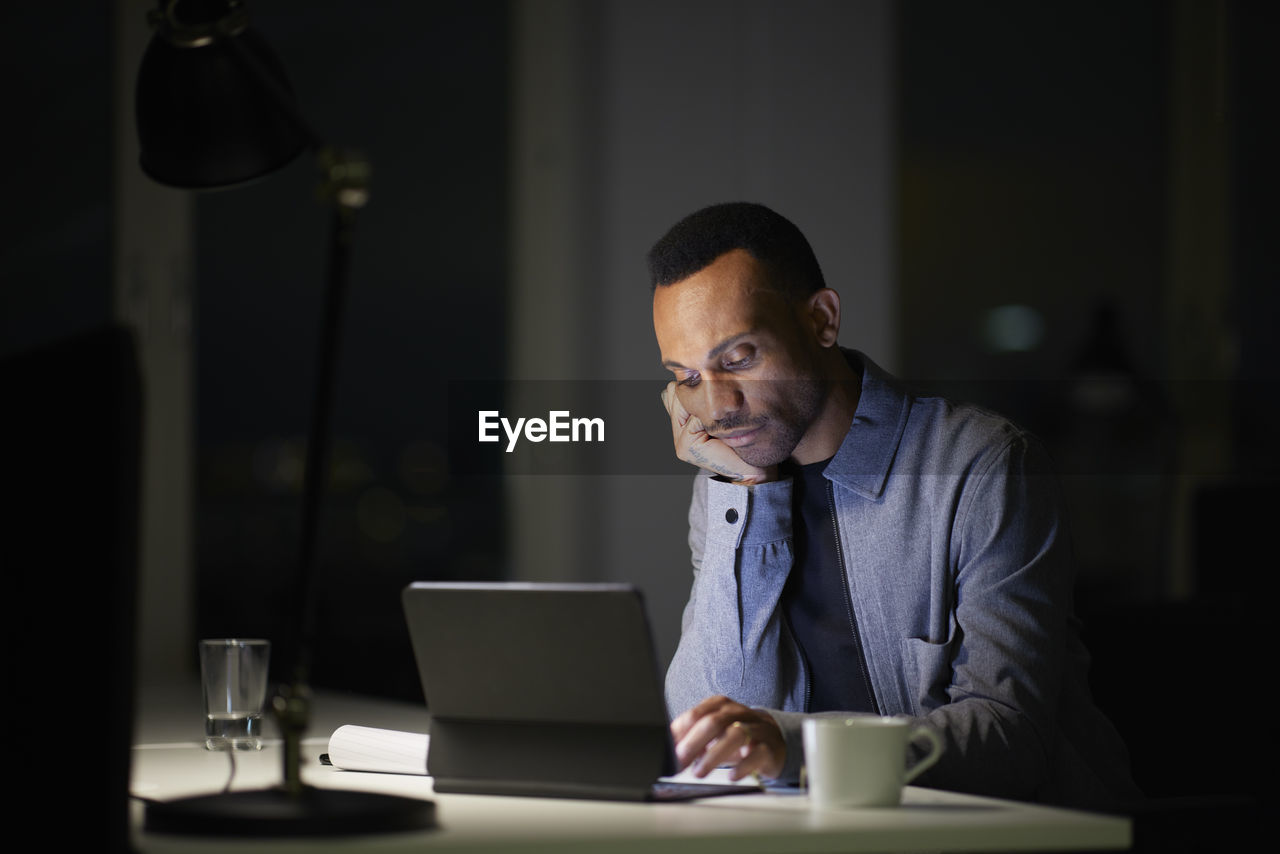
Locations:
(292, 705)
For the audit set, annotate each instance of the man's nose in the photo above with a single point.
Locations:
(724, 397)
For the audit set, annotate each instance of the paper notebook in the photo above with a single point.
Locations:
(361, 748)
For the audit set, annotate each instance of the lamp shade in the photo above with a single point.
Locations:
(205, 116)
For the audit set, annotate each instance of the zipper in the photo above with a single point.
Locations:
(848, 599)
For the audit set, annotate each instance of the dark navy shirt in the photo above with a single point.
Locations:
(816, 600)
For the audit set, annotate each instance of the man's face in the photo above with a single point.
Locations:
(744, 361)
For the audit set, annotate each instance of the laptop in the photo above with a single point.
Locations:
(544, 690)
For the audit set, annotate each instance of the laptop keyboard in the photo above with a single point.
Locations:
(667, 790)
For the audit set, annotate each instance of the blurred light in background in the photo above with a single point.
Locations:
(1012, 329)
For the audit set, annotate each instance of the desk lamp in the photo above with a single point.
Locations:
(215, 109)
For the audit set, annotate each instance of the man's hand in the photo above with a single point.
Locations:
(694, 445)
(719, 731)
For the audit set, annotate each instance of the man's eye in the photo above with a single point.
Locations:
(689, 381)
(738, 363)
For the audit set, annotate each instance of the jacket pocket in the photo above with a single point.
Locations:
(927, 670)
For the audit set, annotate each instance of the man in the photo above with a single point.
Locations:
(857, 549)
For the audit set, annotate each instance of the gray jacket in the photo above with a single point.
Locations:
(959, 569)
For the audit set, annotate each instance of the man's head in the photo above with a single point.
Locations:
(703, 236)
(750, 338)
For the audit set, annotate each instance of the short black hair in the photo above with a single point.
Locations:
(704, 235)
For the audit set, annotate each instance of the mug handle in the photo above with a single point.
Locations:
(930, 758)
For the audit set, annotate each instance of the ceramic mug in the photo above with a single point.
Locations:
(861, 761)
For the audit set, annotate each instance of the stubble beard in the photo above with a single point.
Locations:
(784, 428)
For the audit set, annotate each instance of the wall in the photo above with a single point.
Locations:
(654, 110)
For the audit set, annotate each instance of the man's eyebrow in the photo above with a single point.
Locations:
(715, 351)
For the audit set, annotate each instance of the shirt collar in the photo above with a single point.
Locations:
(866, 454)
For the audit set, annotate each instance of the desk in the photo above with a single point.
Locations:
(928, 820)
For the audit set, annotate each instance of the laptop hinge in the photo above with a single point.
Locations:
(545, 756)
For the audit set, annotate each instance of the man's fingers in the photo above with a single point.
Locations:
(726, 749)
(752, 755)
(681, 723)
(719, 731)
(672, 402)
(694, 445)
(679, 415)
(711, 737)
(693, 729)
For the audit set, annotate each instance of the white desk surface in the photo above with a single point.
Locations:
(169, 761)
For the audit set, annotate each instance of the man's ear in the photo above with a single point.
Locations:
(824, 313)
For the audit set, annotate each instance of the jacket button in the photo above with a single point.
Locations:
(731, 515)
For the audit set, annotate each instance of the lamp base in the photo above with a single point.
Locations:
(275, 813)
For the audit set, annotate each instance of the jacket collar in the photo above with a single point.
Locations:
(866, 454)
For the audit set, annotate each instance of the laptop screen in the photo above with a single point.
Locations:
(538, 685)
(570, 653)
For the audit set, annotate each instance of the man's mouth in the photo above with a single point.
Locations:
(738, 438)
